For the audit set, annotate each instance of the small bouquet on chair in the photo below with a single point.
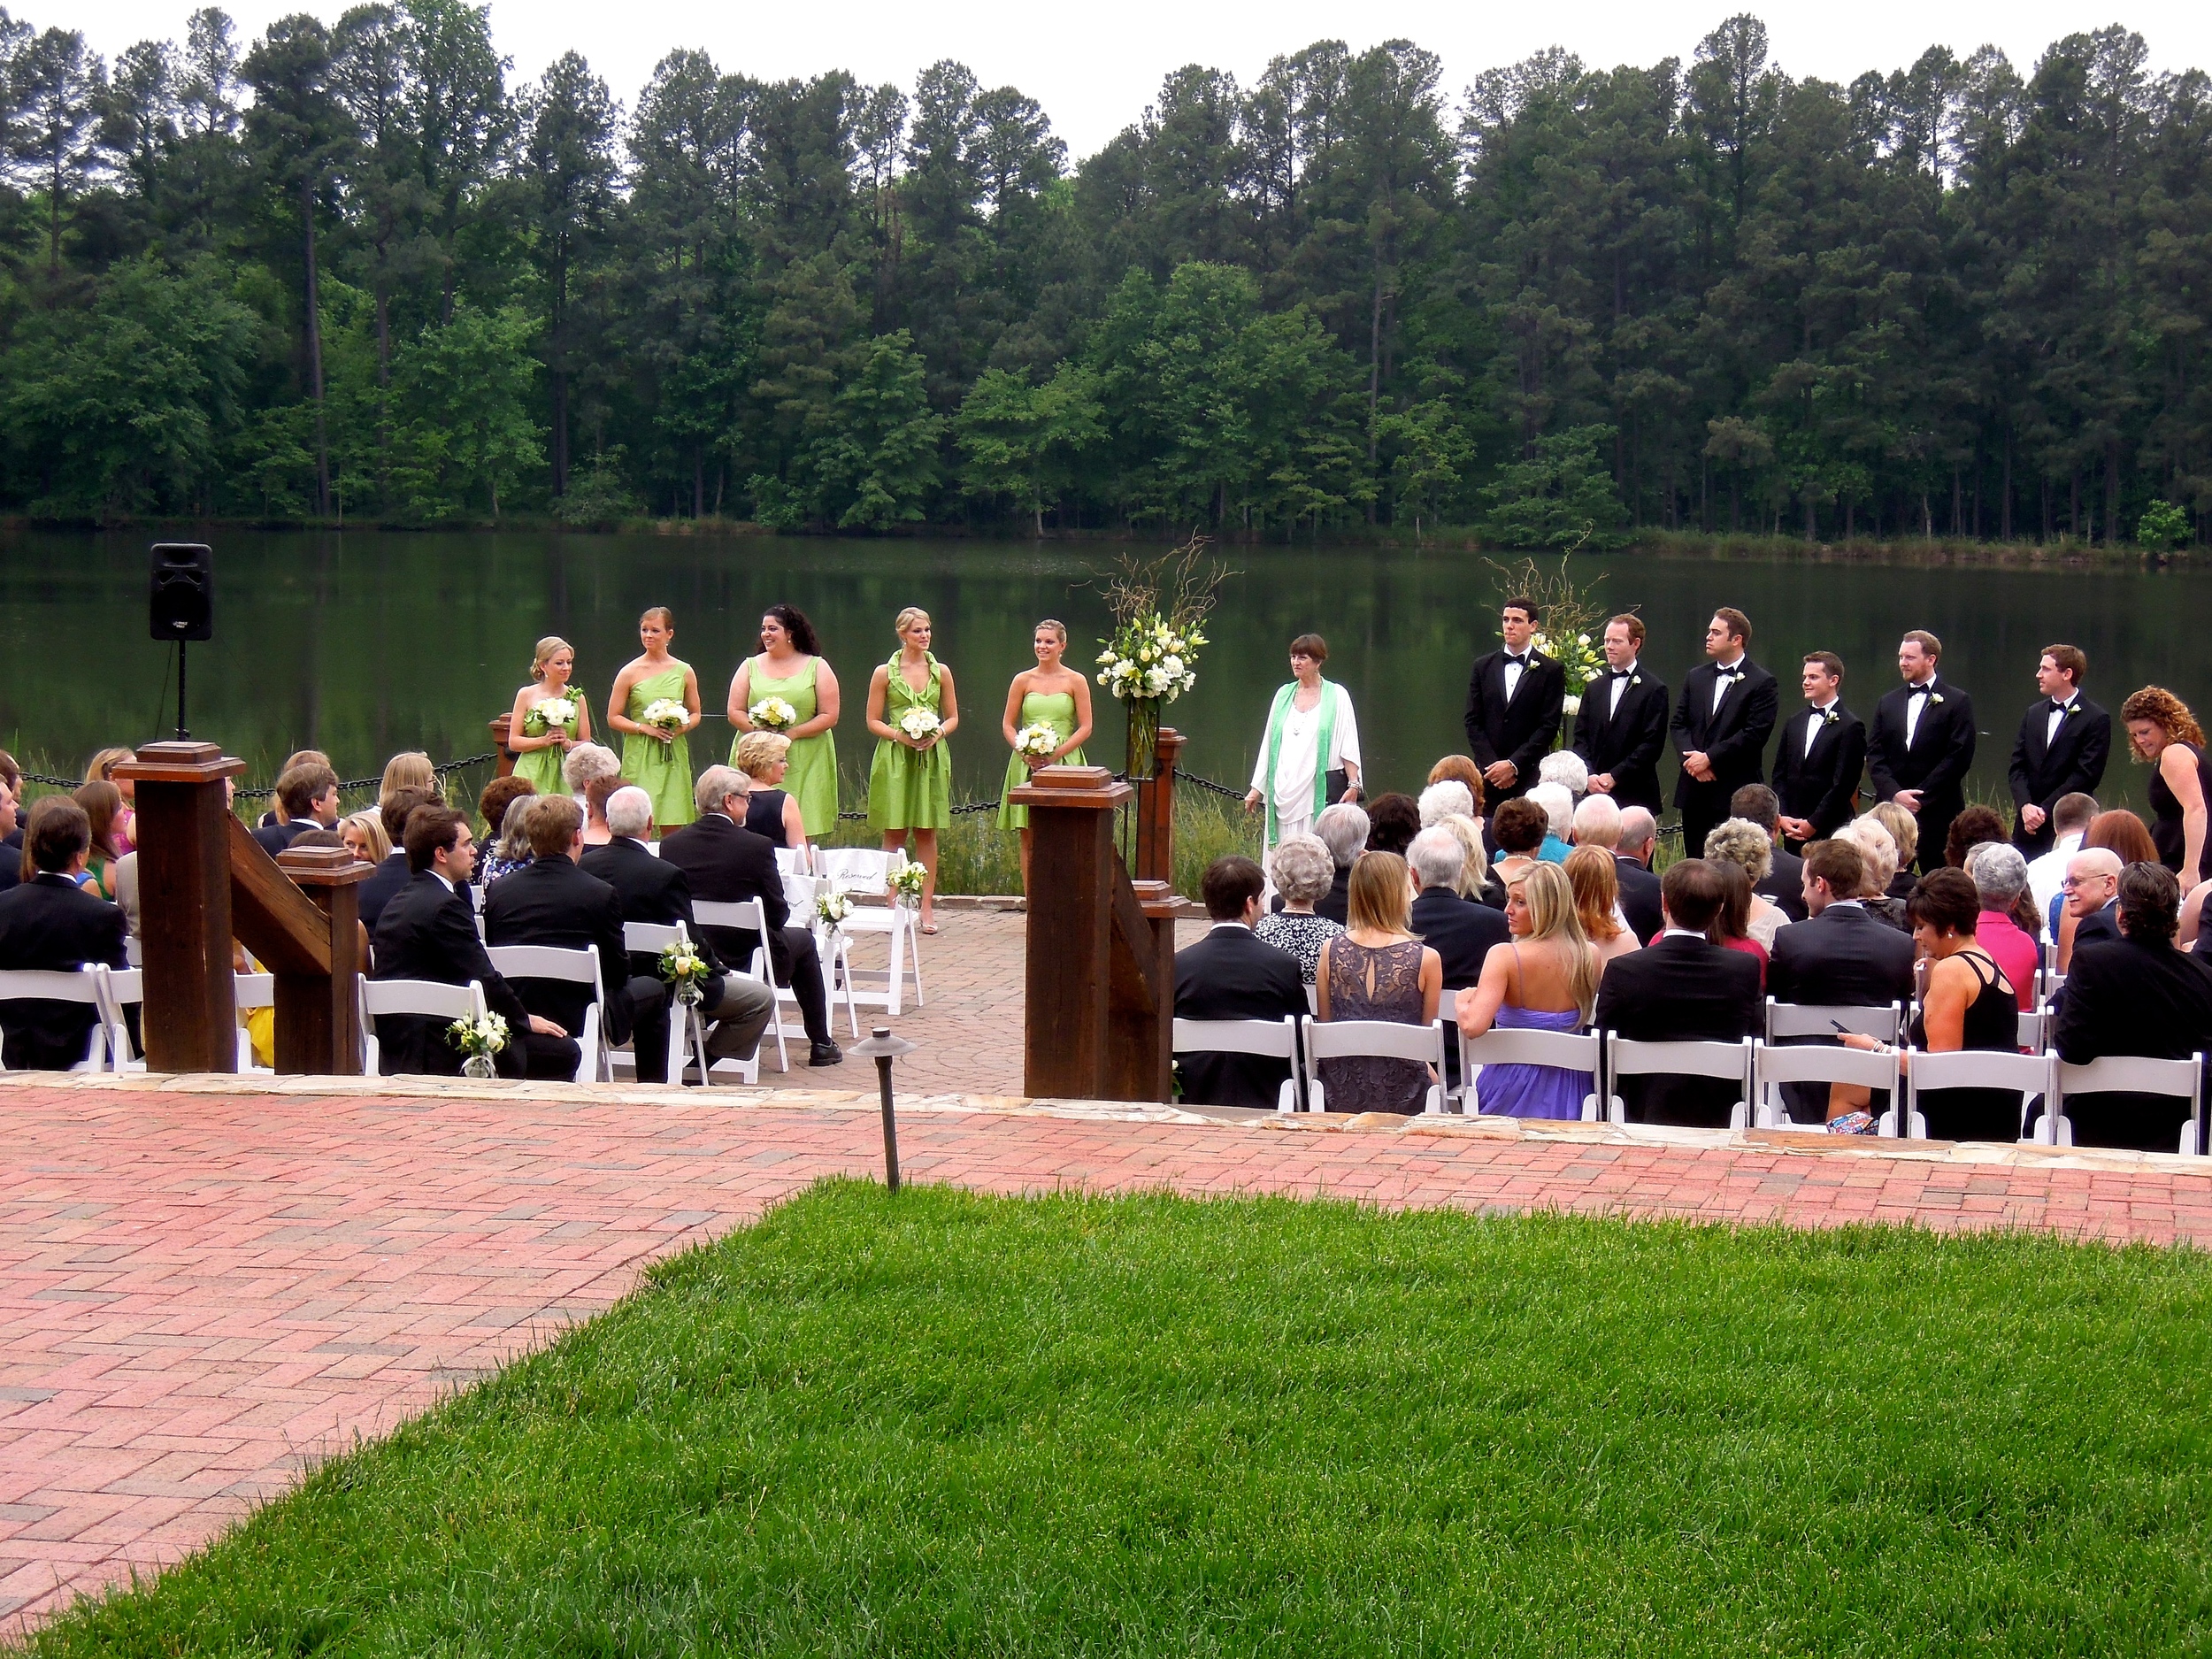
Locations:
(548, 715)
(1036, 743)
(920, 725)
(832, 907)
(906, 882)
(773, 714)
(664, 714)
(683, 967)
(480, 1040)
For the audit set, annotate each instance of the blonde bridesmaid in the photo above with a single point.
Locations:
(910, 785)
(656, 759)
(540, 751)
(1052, 694)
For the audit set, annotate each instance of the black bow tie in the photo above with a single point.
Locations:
(1521, 662)
(1921, 691)
(1732, 673)
(1619, 673)
(2060, 708)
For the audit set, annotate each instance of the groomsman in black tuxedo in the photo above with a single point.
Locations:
(1515, 698)
(1921, 745)
(2063, 744)
(1622, 726)
(1818, 763)
(1721, 722)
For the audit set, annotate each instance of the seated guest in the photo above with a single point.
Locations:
(1784, 883)
(1966, 1002)
(765, 757)
(392, 872)
(587, 761)
(103, 805)
(1682, 988)
(1379, 970)
(1597, 894)
(1878, 854)
(594, 798)
(101, 769)
(1342, 828)
(427, 931)
(493, 806)
(1460, 934)
(1460, 769)
(1596, 823)
(1559, 817)
(1301, 869)
(410, 769)
(653, 890)
(1231, 974)
(1450, 804)
(1543, 976)
(1999, 875)
(1632, 866)
(550, 902)
(1904, 833)
(1443, 798)
(2121, 833)
(2092, 895)
(2134, 994)
(1522, 826)
(1840, 956)
(1741, 842)
(1731, 924)
(2071, 817)
(1975, 826)
(1567, 770)
(1393, 821)
(727, 865)
(362, 834)
(276, 816)
(10, 837)
(308, 794)
(48, 923)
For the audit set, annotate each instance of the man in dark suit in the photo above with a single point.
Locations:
(51, 925)
(1631, 868)
(1818, 760)
(1721, 722)
(2063, 744)
(1839, 957)
(2092, 897)
(428, 932)
(393, 874)
(1784, 884)
(653, 890)
(2134, 994)
(550, 902)
(1683, 988)
(727, 864)
(1460, 931)
(1922, 744)
(1230, 974)
(309, 795)
(1621, 728)
(1514, 701)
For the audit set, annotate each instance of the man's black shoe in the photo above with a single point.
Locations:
(825, 1054)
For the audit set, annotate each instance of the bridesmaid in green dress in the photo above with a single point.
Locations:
(910, 785)
(1052, 694)
(790, 667)
(540, 747)
(657, 762)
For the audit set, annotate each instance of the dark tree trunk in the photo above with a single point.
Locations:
(315, 348)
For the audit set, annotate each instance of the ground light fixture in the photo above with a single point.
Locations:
(883, 1048)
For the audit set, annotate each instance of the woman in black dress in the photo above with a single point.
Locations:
(2162, 731)
(769, 811)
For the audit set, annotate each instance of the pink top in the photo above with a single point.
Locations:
(2011, 949)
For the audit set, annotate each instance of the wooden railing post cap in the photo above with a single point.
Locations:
(1088, 788)
(1160, 900)
(179, 763)
(323, 867)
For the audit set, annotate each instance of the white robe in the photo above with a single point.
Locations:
(1291, 788)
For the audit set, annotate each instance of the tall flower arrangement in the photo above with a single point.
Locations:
(1151, 658)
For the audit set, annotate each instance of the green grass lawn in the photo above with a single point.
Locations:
(943, 1423)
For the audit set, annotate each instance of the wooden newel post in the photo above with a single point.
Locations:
(1155, 810)
(501, 726)
(1101, 968)
(190, 1018)
(318, 1014)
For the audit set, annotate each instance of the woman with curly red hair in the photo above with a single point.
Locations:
(2162, 731)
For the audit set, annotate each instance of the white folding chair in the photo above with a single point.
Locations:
(1774, 1064)
(121, 989)
(2048, 986)
(476, 904)
(1372, 1039)
(135, 951)
(426, 997)
(2033, 1028)
(1728, 1062)
(255, 992)
(2124, 1074)
(688, 1034)
(1268, 1038)
(1570, 1051)
(81, 986)
(752, 916)
(1878, 1020)
(867, 872)
(1977, 1068)
(569, 966)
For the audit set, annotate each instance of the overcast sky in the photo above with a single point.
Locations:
(1094, 67)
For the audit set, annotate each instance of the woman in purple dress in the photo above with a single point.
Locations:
(1544, 979)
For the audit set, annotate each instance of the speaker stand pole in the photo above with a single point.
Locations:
(183, 736)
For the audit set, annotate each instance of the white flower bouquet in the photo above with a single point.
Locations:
(549, 713)
(906, 884)
(1037, 742)
(682, 967)
(664, 714)
(480, 1040)
(1148, 660)
(920, 725)
(773, 714)
(832, 907)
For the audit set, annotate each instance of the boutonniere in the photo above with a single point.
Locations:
(1635, 679)
(1935, 696)
(1830, 716)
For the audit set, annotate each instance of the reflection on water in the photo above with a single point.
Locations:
(361, 644)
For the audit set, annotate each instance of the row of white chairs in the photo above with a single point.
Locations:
(1760, 1070)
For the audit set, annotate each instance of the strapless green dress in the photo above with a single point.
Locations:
(911, 788)
(812, 778)
(662, 771)
(542, 766)
(1055, 709)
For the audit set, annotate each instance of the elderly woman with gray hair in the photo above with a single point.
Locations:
(1740, 842)
(1878, 850)
(1342, 829)
(1449, 804)
(1303, 869)
(2000, 880)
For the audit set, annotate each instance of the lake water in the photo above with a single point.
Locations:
(364, 643)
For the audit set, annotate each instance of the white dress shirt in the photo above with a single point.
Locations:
(1514, 668)
(1721, 685)
(2059, 711)
(1620, 684)
(1819, 719)
(1914, 704)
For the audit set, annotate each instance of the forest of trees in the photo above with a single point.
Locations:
(351, 272)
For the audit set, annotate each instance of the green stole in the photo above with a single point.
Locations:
(1275, 718)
